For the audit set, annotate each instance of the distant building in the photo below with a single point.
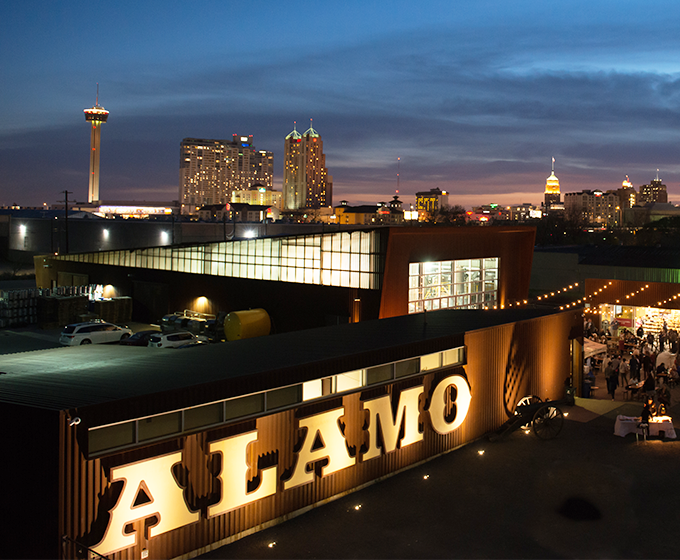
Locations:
(306, 182)
(259, 195)
(139, 209)
(552, 189)
(488, 213)
(429, 202)
(211, 170)
(238, 212)
(653, 193)
(214, 212)
(387, 214)
(594, 208)
(524, 212)
(628, 197)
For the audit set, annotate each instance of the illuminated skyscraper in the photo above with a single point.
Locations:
(211, 170)
(95, 115)
(627, 195)
(306, 182)
(552, 188)
(654, 192)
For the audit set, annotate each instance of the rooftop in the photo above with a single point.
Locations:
(73, 377)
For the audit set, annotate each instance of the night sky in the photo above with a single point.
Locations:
(474, 96)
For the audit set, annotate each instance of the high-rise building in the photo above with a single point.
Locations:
(627, 195)
(552, 188)
(654, 192)
(428, 203)
(95, 115)
(306, 182)
(211, 170)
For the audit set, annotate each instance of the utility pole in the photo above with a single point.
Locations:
(65, 201)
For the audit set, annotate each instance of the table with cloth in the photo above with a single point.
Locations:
(629, 425)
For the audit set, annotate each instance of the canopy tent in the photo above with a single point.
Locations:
(591, 348)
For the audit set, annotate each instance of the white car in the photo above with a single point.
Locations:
(95, 332)
(172, 339)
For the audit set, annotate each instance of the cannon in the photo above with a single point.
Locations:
(545, 418)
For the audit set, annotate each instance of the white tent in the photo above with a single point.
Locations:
(665, 358)
(591, 348)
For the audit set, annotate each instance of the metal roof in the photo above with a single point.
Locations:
(72, 377)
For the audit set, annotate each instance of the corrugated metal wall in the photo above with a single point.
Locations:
(503, 364)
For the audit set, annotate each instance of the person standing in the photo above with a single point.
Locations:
(612, 380)
(624, 371)
(634, 367)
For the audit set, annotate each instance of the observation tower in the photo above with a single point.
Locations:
(95, 115)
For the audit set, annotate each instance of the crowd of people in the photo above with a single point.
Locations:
(643, 363)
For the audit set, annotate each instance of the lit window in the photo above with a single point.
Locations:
(431, 284)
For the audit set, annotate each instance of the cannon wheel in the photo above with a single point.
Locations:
(529, 399)
(547, 422)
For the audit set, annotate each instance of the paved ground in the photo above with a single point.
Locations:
(27, 339)
(585, 494)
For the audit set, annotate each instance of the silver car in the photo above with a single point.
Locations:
(94, 332)
(172, 339)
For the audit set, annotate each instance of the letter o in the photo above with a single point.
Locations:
(438, 404)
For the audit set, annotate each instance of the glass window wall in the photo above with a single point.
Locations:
(344, 259)
(461, 284)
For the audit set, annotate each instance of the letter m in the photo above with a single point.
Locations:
(380, 412)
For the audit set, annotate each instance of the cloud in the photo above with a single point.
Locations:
(477, 107)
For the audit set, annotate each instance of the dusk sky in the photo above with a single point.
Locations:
(474, 96)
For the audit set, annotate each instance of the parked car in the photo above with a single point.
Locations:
(140, 338)
(93, 332)
(192, 343)
(171, 339)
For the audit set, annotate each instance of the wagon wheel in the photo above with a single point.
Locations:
(548, 422)
(529, 399)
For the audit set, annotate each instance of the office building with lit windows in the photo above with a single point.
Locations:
(594, 208)
(653, 193)
(211, 170)
(258, 195)
(428, 203)
(306, 182)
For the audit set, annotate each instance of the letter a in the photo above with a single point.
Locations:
(335, 448)
(166, 501)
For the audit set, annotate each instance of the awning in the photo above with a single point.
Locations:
(590, 348)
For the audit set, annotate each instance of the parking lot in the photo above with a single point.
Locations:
(27, 339)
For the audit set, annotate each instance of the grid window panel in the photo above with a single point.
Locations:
(432, 283)
(316, 259)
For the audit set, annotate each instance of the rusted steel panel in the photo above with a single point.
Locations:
(513, 245)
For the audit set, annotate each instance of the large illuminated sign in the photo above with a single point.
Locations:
(150, 489)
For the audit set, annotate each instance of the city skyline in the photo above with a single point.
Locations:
(474, 97)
